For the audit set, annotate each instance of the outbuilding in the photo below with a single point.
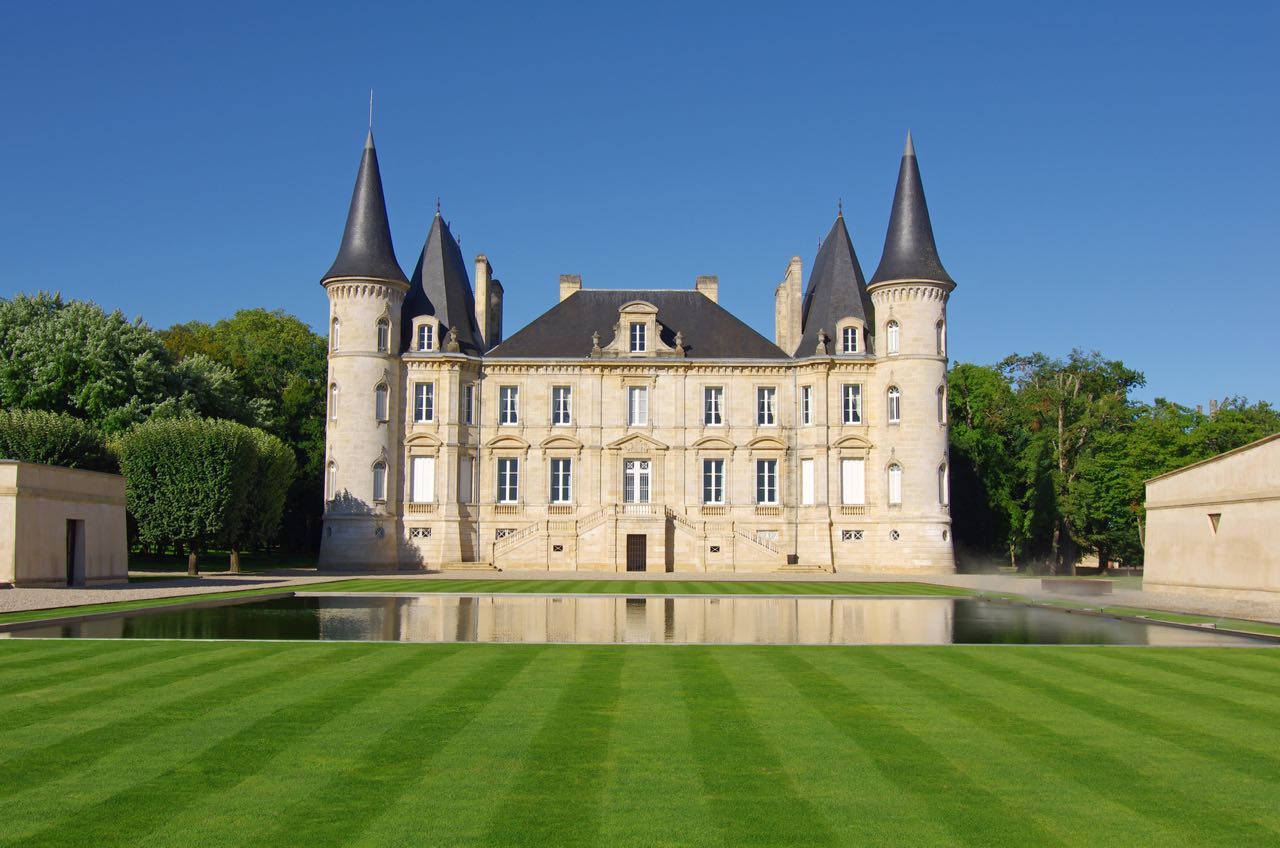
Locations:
(1211, 527)
(61, 526)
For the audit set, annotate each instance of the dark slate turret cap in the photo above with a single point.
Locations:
(366, 243)
(909, 251)
(440, 287)
(836, 290)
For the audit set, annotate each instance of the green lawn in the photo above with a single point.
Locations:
(234, 743)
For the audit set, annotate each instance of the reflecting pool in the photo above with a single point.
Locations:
(670, 620)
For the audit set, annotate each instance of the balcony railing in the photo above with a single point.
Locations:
(853, 509)
(419, 508)
(768, 510)
(639, 509)
(506, 509)
(714, 509)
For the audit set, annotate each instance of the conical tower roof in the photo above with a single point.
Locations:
(366, 249)
(440, 287)
(836, 290)
(909, 250)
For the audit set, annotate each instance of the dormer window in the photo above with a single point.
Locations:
(849, 340)
(384, 335)
(638, 337)
(426, 337)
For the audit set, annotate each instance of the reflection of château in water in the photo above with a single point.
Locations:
(756, 621)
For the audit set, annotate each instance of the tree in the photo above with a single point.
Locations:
(1069, 403)
(273, 472)
(51, 438)
(187, 482)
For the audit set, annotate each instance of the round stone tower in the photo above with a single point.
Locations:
(366, 288)
(909, 290)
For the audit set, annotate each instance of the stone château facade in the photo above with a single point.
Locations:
(637, 429)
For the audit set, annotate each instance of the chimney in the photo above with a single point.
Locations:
(786, 307)
(569, 283)
(1199, 409)
(483, 272)
(1213, 408)
(709, 286)
(493, 333)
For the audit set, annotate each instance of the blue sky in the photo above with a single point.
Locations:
(1100, 175)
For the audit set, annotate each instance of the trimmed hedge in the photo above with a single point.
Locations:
(53, 438)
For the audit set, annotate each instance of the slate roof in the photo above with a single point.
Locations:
(710, 331)
(440, 287)
(836, 290)
(909, 250)
(366, 249)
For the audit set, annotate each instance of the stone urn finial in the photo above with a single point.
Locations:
(595, 343)
(822, 343)
(679, 342)
(451, 341)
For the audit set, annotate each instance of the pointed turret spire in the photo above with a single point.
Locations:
(909, 250)
(366, 249)
(441, 287)
(836, 289)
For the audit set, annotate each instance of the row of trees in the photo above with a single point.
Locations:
(97, 375)
(1050, 456)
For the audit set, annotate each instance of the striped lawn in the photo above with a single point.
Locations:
(640, 587)
(234, 743)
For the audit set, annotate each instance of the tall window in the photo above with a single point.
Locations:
(509, 405)
(942, 404)
(384, 335)
(940, 330)
(807, 487)
(335, 328)
(561, 405)
(806, 405)
(423, 472)
(468, 411)
(766, 406)
(424, 402)
(426, 337)
(891, 333)
(333, 401)
(895, 405)
(713, 481)
(713, 405)
(635, 481)
(380, 402)
(508, 480)
(638, 340)
(331, 482)
(895, 484)
(379, 481)
(766, 481)
(944, 491)
(849, 339)
(637, 406)
(851, 403)
(853, 481)
(561, 481)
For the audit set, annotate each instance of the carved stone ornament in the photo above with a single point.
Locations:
(451, 341)
(679, 342)
(595, 343)
(822, 343)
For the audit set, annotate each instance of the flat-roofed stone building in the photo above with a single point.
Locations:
(646, 430)
(61, 526)
(1209, 525)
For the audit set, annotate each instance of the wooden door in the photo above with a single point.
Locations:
(637, 551)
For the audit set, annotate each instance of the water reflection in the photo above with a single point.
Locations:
(672, 620)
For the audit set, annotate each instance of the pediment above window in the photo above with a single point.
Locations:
(637, 442)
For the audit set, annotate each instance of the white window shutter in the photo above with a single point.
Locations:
(806, 482)
(853, 481)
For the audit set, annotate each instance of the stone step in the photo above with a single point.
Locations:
(468, 566)
(801, 569)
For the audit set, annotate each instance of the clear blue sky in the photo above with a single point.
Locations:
(1101, 175)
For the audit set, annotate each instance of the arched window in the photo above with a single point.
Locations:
(331, 482)
(334, 328)
(940, 330)
(891, 337)
(895, 484)
(849, 340)
(944, 493)
(380, 398)
(895, 405)
(333, 401)
(942, 404)
(384, 335)
(379, 481)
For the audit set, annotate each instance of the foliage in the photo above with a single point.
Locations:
(187, 481)
(273, 473)
(52, 438)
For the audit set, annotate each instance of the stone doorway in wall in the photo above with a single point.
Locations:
(637, 551)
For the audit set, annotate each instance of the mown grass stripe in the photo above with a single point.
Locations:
(128, 816)
(1196, 664)
(115, 684)
(84, 666)
(375, 778)
(751, 797)
(970, 812)
(555, 798)
(238, 677)
(18, 654)
(1062, 752)
(1168, 800)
